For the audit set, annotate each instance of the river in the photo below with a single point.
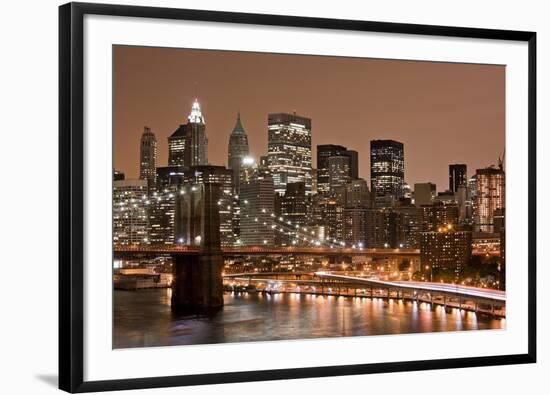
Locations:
(144, 319)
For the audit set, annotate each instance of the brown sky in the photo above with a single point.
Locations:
(442, 112)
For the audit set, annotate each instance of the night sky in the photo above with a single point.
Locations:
(443, 112)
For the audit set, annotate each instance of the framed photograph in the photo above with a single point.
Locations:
(250, 197)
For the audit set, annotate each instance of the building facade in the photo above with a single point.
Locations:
(387, 168)
(445, 251)
(176, 146)
(289, 150)
(490, 196)
(338, 172)
(457, 176)
(424, 193)
(257, 206)
(148, 157)
(130, 217)
(433, 216)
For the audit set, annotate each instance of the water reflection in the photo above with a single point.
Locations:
(144, 318)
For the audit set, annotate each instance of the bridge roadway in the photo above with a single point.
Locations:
(232, 251)
(151, 250)
(492, 296)
(452, 290)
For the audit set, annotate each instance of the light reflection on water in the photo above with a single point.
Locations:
(144, 319)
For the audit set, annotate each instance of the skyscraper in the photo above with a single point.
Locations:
(490, 196)
(148, 157)
(237, 151)
(338, 172)
(257, 205)
(176, 146)
(196, 143)
(387, 168)
(289, 150)
(353, 163)
(457, 176)
(130, 212)
(324, 152)
(294, 208)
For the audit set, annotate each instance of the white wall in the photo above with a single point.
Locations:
(28, 91)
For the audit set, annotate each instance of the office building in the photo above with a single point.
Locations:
(445, 251)
(148, 157)
(176, 146)
(424, 193)
(490, 196)
(433, 216)
(457, 176)
(289, 150)
(130, 222)
(294, 209)
(387, 168)
(338, 172)
(257, 206)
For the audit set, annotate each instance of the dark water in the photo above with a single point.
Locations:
(144, 318)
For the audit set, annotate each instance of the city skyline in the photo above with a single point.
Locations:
(220, 125)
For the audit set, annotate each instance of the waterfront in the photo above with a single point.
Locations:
(144, 319)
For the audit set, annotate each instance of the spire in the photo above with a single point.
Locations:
(238, 129)
(196, 115)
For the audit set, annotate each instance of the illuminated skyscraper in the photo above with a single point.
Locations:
(289, 150)
(148, 157)
(257, 205)
(130, 212)
(387, 168)
(490, 196)
(457, 176)
(294, 209)
(338, 172)
(326, 151)
(196, 143)
(176, 146)
(237, 152)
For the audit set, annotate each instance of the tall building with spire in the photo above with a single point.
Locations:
(196, 143)
(148, 157)
(237, 151)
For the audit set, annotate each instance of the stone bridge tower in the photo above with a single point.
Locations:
(197, 284)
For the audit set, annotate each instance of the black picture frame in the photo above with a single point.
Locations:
(71, 173)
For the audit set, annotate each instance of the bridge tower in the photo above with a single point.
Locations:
(197, 283)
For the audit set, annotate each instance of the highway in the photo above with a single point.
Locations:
(447, 289)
